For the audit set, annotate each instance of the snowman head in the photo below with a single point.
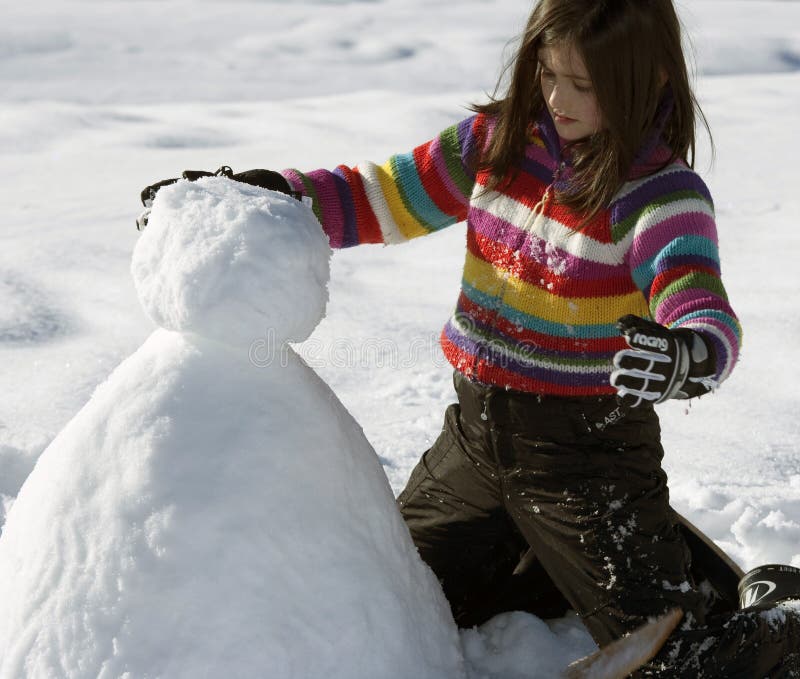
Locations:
(232, 262)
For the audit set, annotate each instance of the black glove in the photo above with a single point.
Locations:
(266, 179)
(661, 363)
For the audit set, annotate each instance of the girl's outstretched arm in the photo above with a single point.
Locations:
(411, 194)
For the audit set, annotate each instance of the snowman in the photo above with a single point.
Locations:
(207, 514)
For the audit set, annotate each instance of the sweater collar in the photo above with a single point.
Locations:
(653, 154)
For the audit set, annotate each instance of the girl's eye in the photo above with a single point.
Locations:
(583, 89)
(548, 75)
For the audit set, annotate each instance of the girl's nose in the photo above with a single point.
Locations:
(555, 97)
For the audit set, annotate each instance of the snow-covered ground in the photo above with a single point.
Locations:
(101, 97)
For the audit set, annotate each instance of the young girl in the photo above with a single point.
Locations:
(591, 290)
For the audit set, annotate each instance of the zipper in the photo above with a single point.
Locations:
(537, 210)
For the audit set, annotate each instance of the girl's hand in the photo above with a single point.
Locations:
(661, 363)
(267, 179)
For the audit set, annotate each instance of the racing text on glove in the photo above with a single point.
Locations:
(661, 363)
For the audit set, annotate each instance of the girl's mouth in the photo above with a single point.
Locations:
(563, 119)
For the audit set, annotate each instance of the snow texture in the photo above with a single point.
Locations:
(102, 98)
(232, 262)
(204, 516)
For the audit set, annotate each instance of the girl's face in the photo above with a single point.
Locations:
(568, 92)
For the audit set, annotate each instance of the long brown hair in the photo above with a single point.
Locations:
(629, 47)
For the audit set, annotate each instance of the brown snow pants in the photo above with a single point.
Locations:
(585, 489)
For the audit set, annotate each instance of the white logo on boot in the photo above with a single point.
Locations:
(757, 592)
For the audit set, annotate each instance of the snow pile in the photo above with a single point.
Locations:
(203, 516)
(521, 646)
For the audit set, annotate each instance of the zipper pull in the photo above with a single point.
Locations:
(539, 207)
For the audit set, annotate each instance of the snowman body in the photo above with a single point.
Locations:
(214, 510)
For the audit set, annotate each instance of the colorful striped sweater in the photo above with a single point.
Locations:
(540, 298)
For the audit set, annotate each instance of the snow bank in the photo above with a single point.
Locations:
(203, 516)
